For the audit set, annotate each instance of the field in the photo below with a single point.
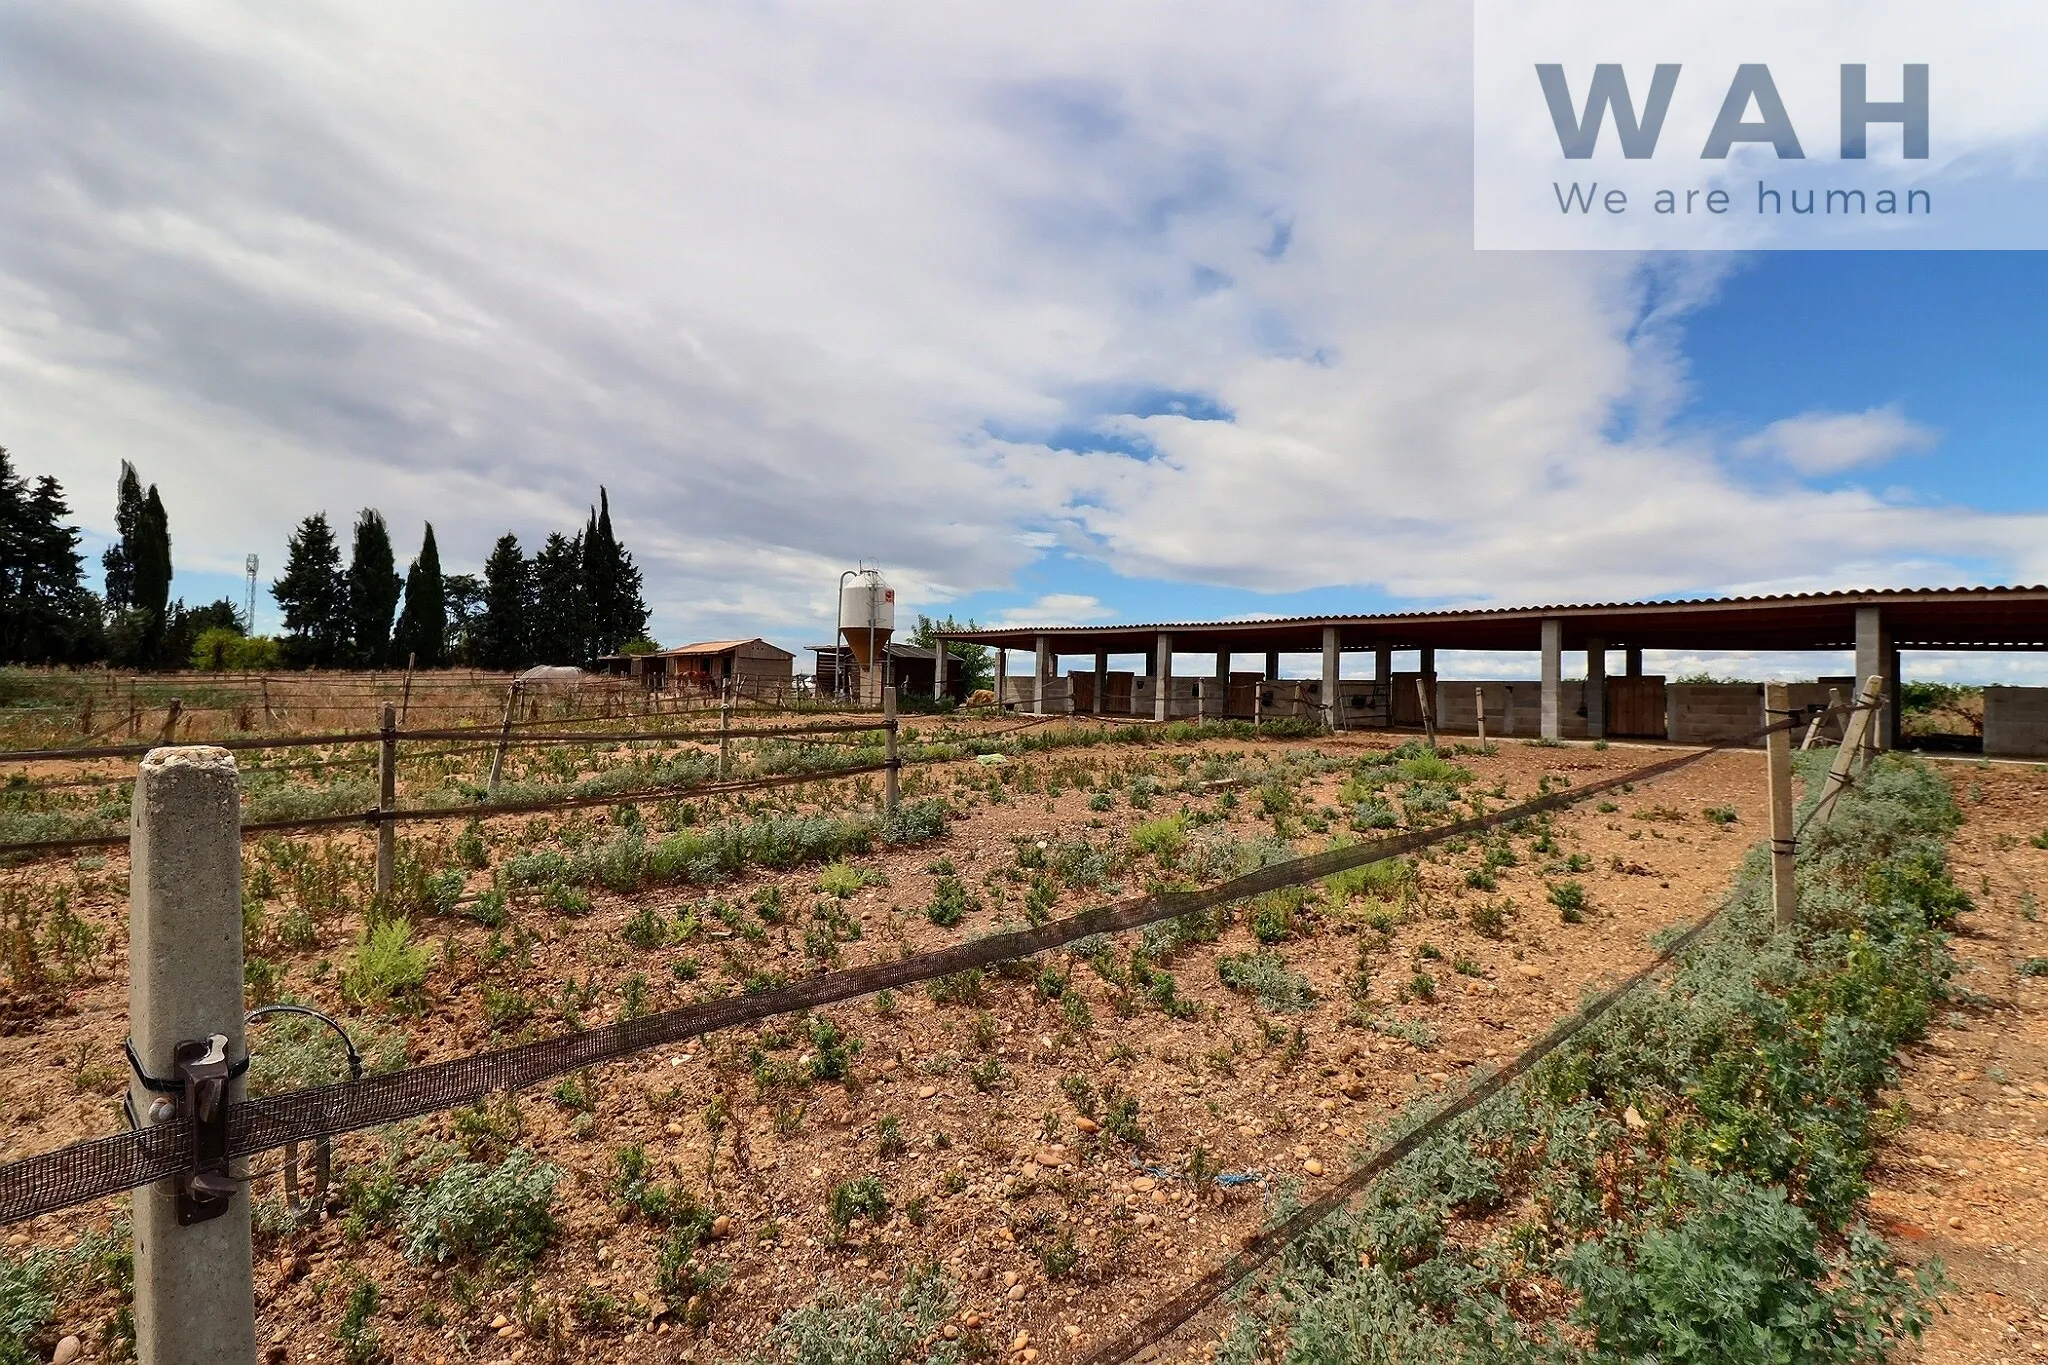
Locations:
(1014, 1164)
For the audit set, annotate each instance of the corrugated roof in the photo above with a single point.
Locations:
(1667, 615)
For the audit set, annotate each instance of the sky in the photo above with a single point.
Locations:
(1057, 313)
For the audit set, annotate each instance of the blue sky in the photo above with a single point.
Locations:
(1081, 313)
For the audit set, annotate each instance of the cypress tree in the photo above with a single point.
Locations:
(504, 635)
(373, 586)
(422, 631)
(119, 559)
(560, 630)
(612, 584)
(152, 560)
(313, 596)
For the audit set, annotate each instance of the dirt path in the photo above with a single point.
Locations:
(1967, 1181)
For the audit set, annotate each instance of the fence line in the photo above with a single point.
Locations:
(95, 1169)
(1177, 1311)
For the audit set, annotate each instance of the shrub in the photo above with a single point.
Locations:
(501, 1213)
(951, 902)
(1266, 975)
(861, 1198)
(1163, 839)
(841, 880)
(386, 964)
(1570, 899)
(879, 1329)
(1721, 815)
(1490, 918)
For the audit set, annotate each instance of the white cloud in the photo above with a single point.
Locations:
(808, 287)
(1830, 442)
(1058, 608)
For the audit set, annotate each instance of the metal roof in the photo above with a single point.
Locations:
(1958, 618)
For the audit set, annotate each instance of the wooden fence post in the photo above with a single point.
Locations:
(1778, 756)
(504, 738)
(724, 725)
(387, 800)
(405, 695)
(1428, 720)
(195, 1301)
(169, 734)
(892, 785)
(1853, 730)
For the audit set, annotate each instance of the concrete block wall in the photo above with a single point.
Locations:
(1514, 710)
(1707, 713)
(1059, 695)
(2016, 722)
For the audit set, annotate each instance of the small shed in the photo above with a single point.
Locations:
(754, 667)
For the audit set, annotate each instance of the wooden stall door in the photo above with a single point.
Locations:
(1635, 708)
(1084, 692)
(1116, 698)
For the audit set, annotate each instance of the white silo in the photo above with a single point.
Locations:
(867, 618)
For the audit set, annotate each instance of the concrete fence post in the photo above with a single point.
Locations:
(1853, 732)
(1333, 711)
(1778, 756)
(1479, 709)
(892, 778)
(195, 1301)
(387, 799)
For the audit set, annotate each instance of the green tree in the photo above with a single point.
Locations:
(46, 613)
(463, 597)
(152, 560)
(422, 633)
(504, 635)
(313, 596)
(560, 630)
(373, 586)
(611, 586)
(976, 664)
(119, 560)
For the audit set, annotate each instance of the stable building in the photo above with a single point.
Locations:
(911, 669)
(753, 667)
(1877, 625)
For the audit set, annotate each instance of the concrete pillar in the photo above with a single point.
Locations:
(1596, 688)
(939, 660)
(1875, 654)
(1634, 665)
(1552, 724)
(1162, 674)
(1382, 664)
(1333, 714)
(195, 1301)
(1425, 661)
(1002, 678)
(1222, 683)
(1041, 669)
(1101, 677)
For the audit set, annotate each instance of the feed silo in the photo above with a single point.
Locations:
(867, 618)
